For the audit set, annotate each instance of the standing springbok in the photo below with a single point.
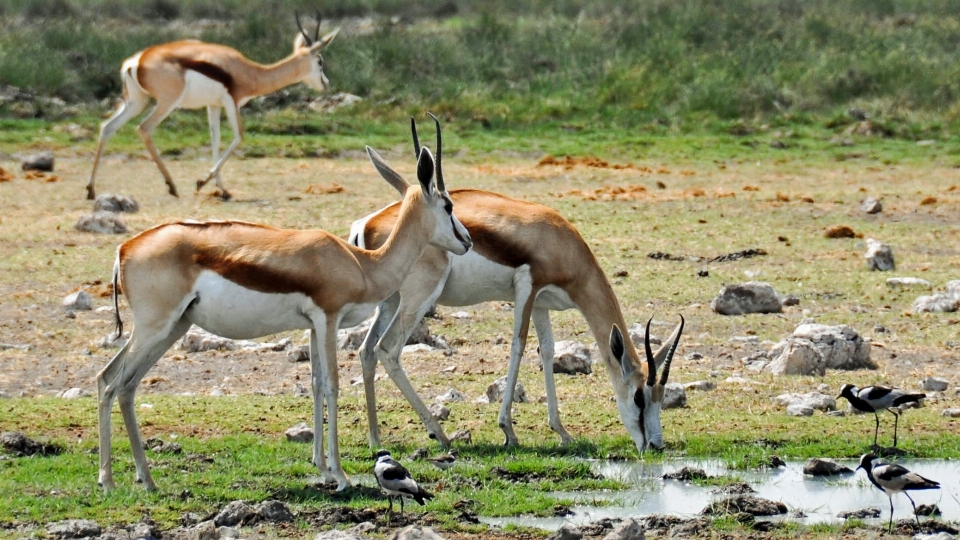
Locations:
(531, 255)
(192, 74)
(242, 280)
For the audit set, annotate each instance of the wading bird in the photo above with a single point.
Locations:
(191, 74)
(395, 481)
(892, 478)
(445, 461)
(243, 280)
(878, 398)
(530, 255)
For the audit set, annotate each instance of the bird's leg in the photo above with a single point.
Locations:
(390, 509)
(896, 422)
(401, 506)
(890, 525)
(914, 508)
(877, 430)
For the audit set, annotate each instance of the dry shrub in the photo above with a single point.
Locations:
(34, 175)
(52, 178)
(687, 172)
(721, 193)
(783, 197)
(569, 162)
(839, 231)
(928, 200)
(694, 192)
(322, 189)
(5, 176)
(610, 193)
(751, 188)
(949, 189)
(807, 199)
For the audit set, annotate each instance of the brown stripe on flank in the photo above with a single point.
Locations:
(209, 70)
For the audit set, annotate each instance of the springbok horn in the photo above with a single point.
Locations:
(651, 364)
(296, 15)
(316, 33)
(440, 185)
(416, 140)
(673, 349)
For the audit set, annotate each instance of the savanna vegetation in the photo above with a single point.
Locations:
(745, 124)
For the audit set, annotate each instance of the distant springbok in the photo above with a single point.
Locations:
(242, 280)
(192, 74)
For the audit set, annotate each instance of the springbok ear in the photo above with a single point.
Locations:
(425, 173)
(300, 42)
(324, 41)
(387, 173)
(619, 352)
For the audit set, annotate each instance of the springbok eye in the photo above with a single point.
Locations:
(639, 401)
(448, 206)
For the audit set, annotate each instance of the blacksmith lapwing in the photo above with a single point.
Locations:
(878, 398)
(891, 478)
(445, 461)
(395, 481)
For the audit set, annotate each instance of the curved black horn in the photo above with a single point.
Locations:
(416, 140)
(673, 349)
(316, 33)
(651, 363)
(440, 185)
(296, 15)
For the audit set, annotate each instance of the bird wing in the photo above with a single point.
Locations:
(898, 478)
(874, 393)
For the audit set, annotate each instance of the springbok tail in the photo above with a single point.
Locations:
(116, 299)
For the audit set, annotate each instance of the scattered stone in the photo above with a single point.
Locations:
(416, 532)
(101, 223)
(274, 511)
(300, 433)
(799, 410)
(235, 513)
(879, 256)
(942, 535)
(637, 331)
(350, 339)
(78, 301)
(935, 384)
(299, 354)
(18, 444)
(463, 436)
(936, 303)
(871, 206)
(951, 413)
(815, 347)
(755, 506)
(189, 519)
(42, 161)
(335, 534)
(439, 411)
(73, 528)
(824, 467)
(111, 341)
(904, 282)
(332, 102)
(498, 387)
(73, 393)
(571, 357)
(695, 355)
(750, 297)
(837, 414)
(687, 474)
(702, 386)
(629, 529)
(864, 513)
(736, 488)
(928, 510)
(156, 444)
(775, 461)
(115, 204)
(363, 527)
(814, 400)
(839, 231)
(790, 300)
(566, 532)
(199, 340)
(451, 395)
(674, 396)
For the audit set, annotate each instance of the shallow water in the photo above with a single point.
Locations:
(820, 499)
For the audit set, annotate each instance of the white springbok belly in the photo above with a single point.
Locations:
(227, 309)
(201, 91)
(474, 279)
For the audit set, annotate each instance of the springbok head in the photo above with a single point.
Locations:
(643, 392)
(304, 44)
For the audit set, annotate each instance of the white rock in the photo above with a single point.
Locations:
(629, 529)
(460, 315)
(417, 348)
(498, 387)
(935, 384)
(115, 204)
(879, 256)
(750, 297)
(300, 433)
(101, 222)
(799, 410)
(451, 395)
(937, 303)
(73, 393)
(815, 347)
(636, 333)
(702, 386)
(951, 413)
(439, 411)
(674, 396)
(111, 341)
(571, 357)
(78, 301)
(904, 282)
(871, 206)
(814, 400)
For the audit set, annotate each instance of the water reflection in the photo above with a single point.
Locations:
(819, 499)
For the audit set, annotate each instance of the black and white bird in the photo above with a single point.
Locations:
(395, 481)
(878, 398)
(891, 478)
(445, 461)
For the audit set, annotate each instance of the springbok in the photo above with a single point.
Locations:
(531, 255)
(244, 280)
(192, 74)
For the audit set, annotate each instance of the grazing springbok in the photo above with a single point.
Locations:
(528, 254)
(192, 74)
(242, 280)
